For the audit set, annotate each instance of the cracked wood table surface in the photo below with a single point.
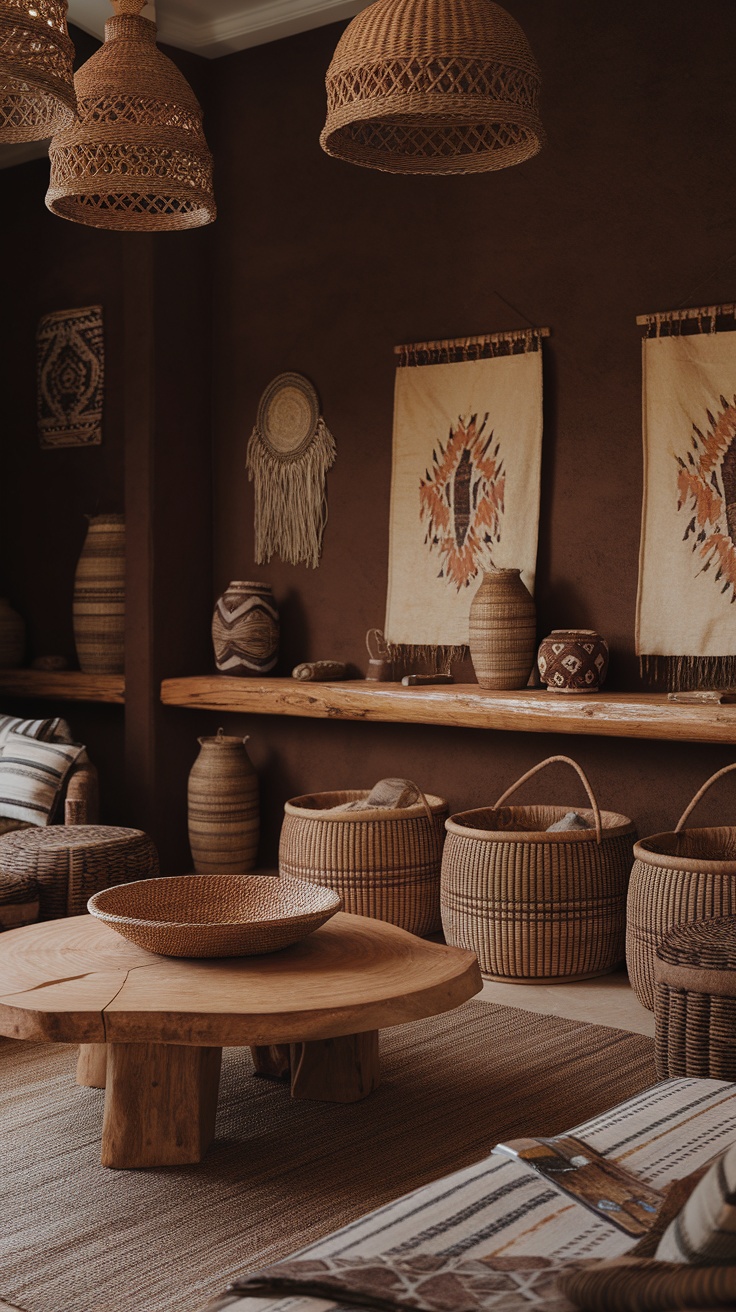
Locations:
(152, 1027)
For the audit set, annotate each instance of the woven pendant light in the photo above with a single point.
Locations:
(136, 160)
(433, 86)
(36, 70)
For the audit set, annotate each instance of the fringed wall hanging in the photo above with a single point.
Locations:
(686, 616)
(467, 451)
(70, 377)
(289, 453)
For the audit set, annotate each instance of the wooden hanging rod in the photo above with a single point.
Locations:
(457, 343)
(674, 316)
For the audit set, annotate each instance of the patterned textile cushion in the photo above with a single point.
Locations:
(32, 774)
(704, 1232)
(42, 729)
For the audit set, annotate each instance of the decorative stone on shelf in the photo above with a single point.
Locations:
(319, 671)
(573, 661)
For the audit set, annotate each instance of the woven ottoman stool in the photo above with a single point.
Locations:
(695, 1000)
(71, 862)
(19, 902)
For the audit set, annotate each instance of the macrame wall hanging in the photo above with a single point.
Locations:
(289, 453)
(70, 367)
(467, 452)
(686, 605)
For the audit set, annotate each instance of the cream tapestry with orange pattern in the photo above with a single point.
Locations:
(465, 481)
(686, 616)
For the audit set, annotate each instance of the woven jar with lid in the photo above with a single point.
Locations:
(223, 807)
(36, 70)
(427, 86)
(695, 1001)
(136, 160)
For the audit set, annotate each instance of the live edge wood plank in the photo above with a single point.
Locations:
(614, 715)
(63, 685)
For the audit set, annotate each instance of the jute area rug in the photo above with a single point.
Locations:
(76, 1237)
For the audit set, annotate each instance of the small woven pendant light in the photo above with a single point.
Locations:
(433, 86)
(36, 70)
(136, 160)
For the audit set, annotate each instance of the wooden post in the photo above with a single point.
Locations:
(336, 1070)
(92, 1065)
(160, 1104)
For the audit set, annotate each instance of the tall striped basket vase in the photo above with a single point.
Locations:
(245, 629)
(99, 597)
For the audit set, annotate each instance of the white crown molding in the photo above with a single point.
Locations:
(194, 24)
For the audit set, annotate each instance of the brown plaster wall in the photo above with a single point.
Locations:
(323, 267)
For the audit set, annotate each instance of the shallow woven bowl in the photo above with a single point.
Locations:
(215, 915)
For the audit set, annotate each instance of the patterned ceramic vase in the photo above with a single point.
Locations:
(99, 597)
(245, 629)
(223, 808)
(573, 660)
(503, 634)
(12, 636)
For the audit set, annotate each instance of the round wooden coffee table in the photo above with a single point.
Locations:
(153, 1028)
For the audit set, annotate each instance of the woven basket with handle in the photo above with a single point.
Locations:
(383, 863)
(534, 905)
(677, 877)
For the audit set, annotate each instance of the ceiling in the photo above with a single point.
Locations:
(218, 27)
(206, 27)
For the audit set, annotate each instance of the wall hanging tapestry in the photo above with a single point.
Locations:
(686, 616)
(467, 453)
(289, 453)
(70, 377)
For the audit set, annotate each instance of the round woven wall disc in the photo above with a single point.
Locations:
(288, 415)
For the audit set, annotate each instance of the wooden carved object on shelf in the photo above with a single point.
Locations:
(70, 377)
(245, 629)
(99, 597)
(319, 671)
(224, 819)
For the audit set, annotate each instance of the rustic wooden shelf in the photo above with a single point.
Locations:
(615, 715)
(63, 685)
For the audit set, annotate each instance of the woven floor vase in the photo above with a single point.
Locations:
(99, 597)
(383, 863)
(677, 877)
(503, 631)
(223, 808)
(534, 905)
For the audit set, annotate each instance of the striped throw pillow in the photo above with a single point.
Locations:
(32, 775)
(704, 1232)
(41, 729)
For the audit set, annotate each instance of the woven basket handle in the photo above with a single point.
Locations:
(551, 760)
(701, 793)
(423, 800)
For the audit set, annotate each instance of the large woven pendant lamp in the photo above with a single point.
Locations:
(136, 159)
(433, 86)
(36, 70)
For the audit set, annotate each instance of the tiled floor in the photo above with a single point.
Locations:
(609, 1000)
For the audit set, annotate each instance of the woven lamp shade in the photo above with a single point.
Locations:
(433, 86)
(36, 70)
(136, 160)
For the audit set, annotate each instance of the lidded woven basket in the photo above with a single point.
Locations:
(677, 877)
(136, 159)
(431, 86)
(695, 1001)
(535, 905)
(384, 863)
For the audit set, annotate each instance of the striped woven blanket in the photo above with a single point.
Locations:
(502, 1209)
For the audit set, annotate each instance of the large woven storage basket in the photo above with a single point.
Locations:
(686, 875)
(383, 863)
(534, 905)
(695, 1001)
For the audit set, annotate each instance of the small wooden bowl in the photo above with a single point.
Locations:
(215, 915)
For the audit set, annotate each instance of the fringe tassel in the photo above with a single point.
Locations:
(438, 660)
(689, 673)
(291, 498)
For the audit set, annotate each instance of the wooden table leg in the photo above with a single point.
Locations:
(92, 1065)
(160, 1104)
(272, 1062)
(336, 1070)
